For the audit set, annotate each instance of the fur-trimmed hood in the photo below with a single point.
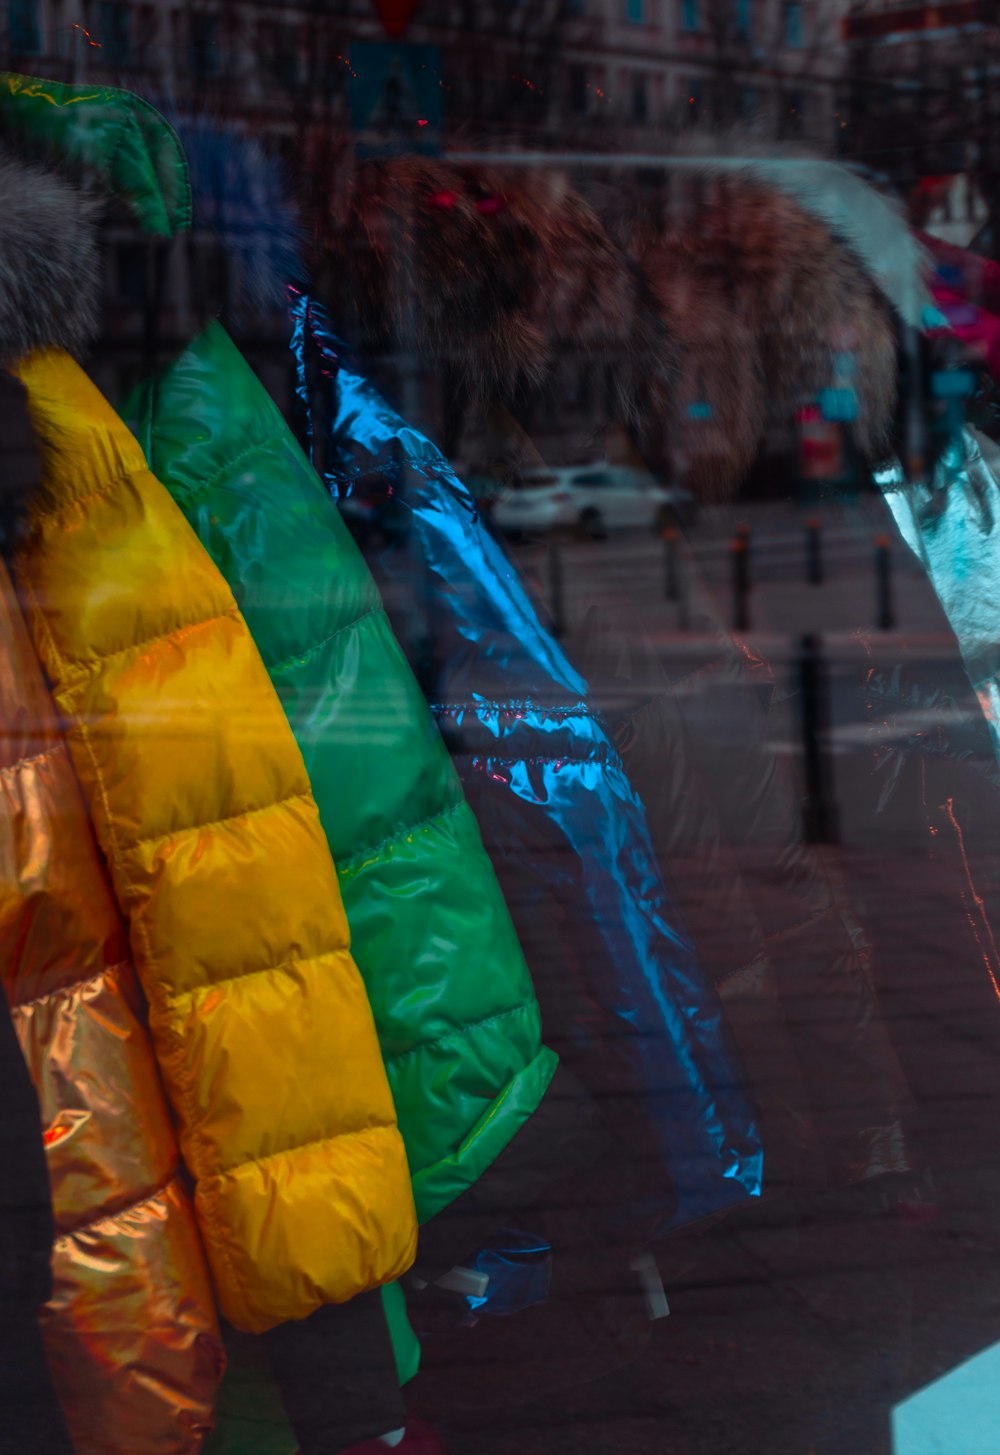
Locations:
(49, 295)
(707, 315)
(49, 277)
(493, 271)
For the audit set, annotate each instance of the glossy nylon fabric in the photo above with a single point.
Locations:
(130, 1330)
(560, 819)
(202, 806)
(934, 786)
(452, 998)
(951, 523)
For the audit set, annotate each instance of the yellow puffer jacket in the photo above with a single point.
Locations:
(201, 803)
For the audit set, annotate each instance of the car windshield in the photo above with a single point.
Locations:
(534, 482)
(592, 478)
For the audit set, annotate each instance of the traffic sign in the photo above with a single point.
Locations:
(395, 98)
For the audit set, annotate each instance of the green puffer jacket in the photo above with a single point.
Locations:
(451, 994)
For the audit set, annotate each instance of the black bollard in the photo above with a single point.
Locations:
(671, 580)
(740, 551)
(814, 553)
(556, 590)
(885, 616)
(818, 812)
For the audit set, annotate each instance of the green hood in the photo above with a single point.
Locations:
(116, 138)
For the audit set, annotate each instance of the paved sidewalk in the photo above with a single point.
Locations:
(796, 1327)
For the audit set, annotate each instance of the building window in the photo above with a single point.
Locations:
(23, 30)
(578, 90)
(576, 7)
(635, 11)
(741, 18)
(690, 19)
(640, 98)
(115, 33)
(793, 24)
(205, 52)
(748, 103)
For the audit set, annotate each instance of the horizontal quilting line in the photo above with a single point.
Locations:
(27, 762)
(352, 1135)
(66, 507)
(79, 672)
(345, 865)
(460, 1032)
(565, 759)
(201, 486)
(298, 659)
(130, 845)
(516, 705)
(113, 1214)
(289, 964)
(70, 988)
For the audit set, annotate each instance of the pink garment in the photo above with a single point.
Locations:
(980, 277)
(978, 330)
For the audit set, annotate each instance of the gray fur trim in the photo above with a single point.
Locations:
(770, 307)
(493, 272)
(873, 224)
(49, 280)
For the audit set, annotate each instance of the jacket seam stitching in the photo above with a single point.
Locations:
(203, 486)
(344, 866)
(298, 659)
(71, 987)
(31, 758)
(513, 706)
(196, 828)
(333, 1137)
(462, 1031)
(79, 672)
(123, 477)
(604, 759)
(173, 1001)
(105, 1217)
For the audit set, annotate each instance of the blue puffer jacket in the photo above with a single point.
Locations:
(623, 997)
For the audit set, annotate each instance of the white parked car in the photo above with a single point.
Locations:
(593, 498)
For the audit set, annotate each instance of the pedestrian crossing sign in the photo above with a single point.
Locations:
(395, 98)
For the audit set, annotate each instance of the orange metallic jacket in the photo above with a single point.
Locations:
(130, 1331)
